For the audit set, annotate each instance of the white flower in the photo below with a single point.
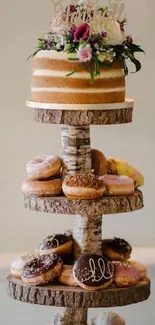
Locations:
(114, 34)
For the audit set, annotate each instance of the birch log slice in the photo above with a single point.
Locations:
(92, 208)
(64, 296)
(94, 114)
(76, 118)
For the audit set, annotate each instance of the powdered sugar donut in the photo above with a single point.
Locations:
(125, 275)
(43, 167)
(108, 319)
(118, 184)
(19, 262)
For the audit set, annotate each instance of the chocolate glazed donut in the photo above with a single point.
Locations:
(116, 249)
(60, 244)
(41, 270)
(93, 272)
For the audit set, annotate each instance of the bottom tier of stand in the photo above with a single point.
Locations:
(71, 297)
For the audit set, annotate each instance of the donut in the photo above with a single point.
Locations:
(56, 244)
(83, 187)
(125, 275)
(43, 167)
(100, 164)
(108, 319)
(18, 263)
(116, 249)
(141, 268)
(93, 272)
(49, 188)
(66, 276)
(41, 270)
(118, 185)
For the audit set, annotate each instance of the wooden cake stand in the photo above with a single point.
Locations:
(73, 303)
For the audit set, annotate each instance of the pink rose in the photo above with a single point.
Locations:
(84, 53)
(81, 32)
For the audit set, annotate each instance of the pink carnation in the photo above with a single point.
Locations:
(81, 32)
(85, 53)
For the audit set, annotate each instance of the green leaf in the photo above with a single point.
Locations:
(73, 59)
(33, 55)
(77, 68)
(126, 70)
(92, 75)
(97, 68)
(136, 48)
(135, 62)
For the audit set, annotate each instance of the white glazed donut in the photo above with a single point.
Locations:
(19, 262)
(43, 167)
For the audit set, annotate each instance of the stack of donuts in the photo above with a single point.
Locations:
(44, 177)
(54, 262)
(111, 177)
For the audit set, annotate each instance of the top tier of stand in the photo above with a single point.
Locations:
(82, 114)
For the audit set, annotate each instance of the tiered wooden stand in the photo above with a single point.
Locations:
(87, 232)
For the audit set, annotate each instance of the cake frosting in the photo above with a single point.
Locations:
(82, 59)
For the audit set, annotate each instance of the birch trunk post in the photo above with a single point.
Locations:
(70, 316)
(76, 149)
(87, 232)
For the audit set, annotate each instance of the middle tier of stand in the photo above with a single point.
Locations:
(71, 297)
(98, 207)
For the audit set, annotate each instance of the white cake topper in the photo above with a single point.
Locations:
(116, 7)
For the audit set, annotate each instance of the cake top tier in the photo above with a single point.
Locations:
(90, 34)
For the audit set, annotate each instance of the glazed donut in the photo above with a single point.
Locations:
(100, 164)
(116, 249)
(43, 167)
(42, 270)
(93, 272)
(66, 276)
(118, 185)
(49, 188)
(125, 275)
(58, 244)
(83, 187)
(18, 263)
(141, 268)
(108, 319)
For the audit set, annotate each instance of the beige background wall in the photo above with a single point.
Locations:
(21, 22)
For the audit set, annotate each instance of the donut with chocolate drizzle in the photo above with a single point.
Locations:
(60, 244)
(93, 272)
(116, 249)
(41, 270)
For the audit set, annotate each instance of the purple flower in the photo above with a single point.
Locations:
(82, 33)
(104, 34)
(48, 44)
(129, 39)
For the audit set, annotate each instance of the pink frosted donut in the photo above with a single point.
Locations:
(118, 184)
(125, 275)
(43, 167)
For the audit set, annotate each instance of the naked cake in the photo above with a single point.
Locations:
(83, 58)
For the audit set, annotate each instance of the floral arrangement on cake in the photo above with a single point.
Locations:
(95, 34)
